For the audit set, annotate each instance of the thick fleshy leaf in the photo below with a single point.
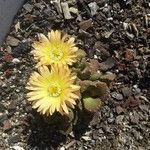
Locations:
(91, 104)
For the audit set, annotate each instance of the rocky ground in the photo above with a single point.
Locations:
(114, 32)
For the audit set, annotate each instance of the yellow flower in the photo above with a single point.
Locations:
(53, 90)
(55, 49)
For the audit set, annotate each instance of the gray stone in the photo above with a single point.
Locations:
(126, 91)
(93, 7)
(14, 139)
(117, 96)
(8, 9)
(28, 7)
(134, 117)
(2, 108)
(66, 10)
(12, 41)
(3, 117)
(16, 61)
(119, 119)
(108, 64)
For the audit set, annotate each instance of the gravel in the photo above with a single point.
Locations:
(117, 36)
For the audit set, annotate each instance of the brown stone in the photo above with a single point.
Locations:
(85, 24)
(7, 125)
(129, 55)
(119, 110)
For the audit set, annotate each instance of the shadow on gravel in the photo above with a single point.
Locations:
(82, 124)
(43, 135)
(49, 134)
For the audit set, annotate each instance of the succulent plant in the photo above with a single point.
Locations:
(91, 104)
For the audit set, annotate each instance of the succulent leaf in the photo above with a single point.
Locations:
(92, 104)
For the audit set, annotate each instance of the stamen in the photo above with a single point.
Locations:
(54, 90)
(56, 54)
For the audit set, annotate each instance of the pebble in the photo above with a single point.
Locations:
(125, 25)
(28, 7)
(66, 10)
(7, 57)
(62, 148)
(117, 96)
(111, 119)
(108, 64)
(144, 98)
(137, 91)
(95, 120)
(16, 147)
(93, 7)
(101, 50)
(8, 49)
(137, 135)
(7, 125)
(129, 55)
(126, 91)
(15, 61)
(136, 64)
(119, 119)
(14, 139)
(2, 107)
(70, 144)
(57, 5)
(86, 138)
(133, 101)
(22, 49)
(134, 118)
(3, 117)
(12, 105)
(73, 10)
(12, 41)
(129, 36)
(119, 109)
(100, 131)
(86, 24)
(107, 34)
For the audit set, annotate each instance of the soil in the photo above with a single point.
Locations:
(114, 32)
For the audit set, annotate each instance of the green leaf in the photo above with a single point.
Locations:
(92, 104)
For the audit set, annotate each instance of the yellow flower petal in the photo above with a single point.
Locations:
(55, 49)
(65, 108)
(52, 91)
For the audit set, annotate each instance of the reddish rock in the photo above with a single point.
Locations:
(119, 110)
(132, 101)
(8, 73)
(121, 66)
(129, 55)
(7, 57)
(7, 125)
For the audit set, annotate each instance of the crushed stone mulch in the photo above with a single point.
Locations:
(116, 33)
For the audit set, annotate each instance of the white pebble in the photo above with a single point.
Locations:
(17, 148)
(62, 148)
(16, 61)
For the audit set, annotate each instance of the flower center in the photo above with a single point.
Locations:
(56, 54)
(54, 90)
